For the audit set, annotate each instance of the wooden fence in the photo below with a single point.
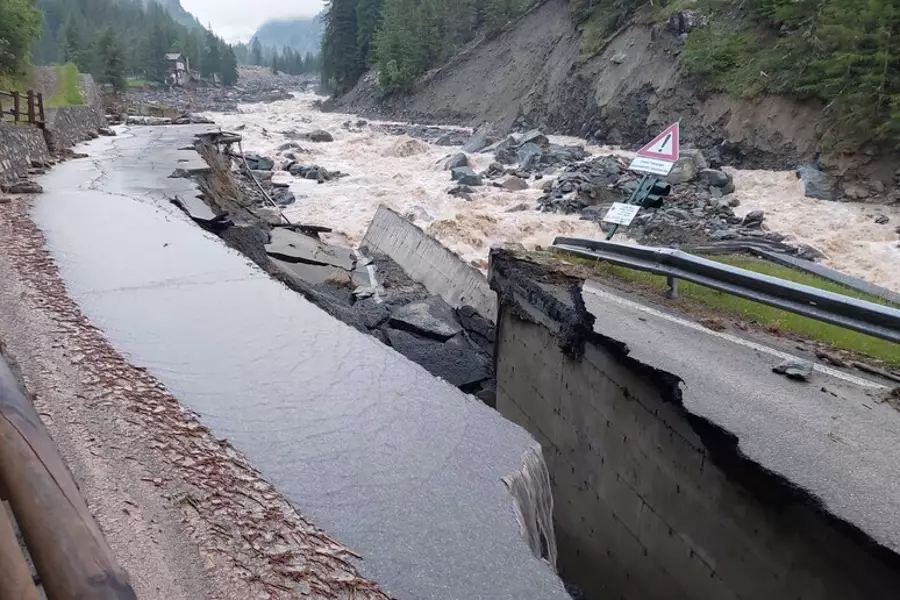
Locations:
(11, 104)
(71, 557)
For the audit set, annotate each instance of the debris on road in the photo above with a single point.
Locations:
(795, 368)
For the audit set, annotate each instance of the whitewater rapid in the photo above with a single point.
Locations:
(406, 175)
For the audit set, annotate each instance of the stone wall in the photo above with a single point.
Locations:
(71, 125)
(20, 145)
(645, 505)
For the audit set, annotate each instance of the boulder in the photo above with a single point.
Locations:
(290, 146)
(319, 135)
(528, 154)
(446, 140)
(535, 137)
(106, 131)
(754, 217)
(478, 142)
(456, 161)
(432, 318)
(882, 220)
(684, 171)
(466, 176)
(283, 197)
(816, 184)
(715, 178)
(25, 187)
(515, 184)
(259, 163)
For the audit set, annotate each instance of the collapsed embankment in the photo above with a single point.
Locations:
(681, 466)
(533, 74)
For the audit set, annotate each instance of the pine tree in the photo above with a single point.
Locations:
(229, 73)
(276, 62)
(212, 57)
(340, 67)
(256, 53)
(111, 60)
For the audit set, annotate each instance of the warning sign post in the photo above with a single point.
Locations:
(656, 159)
(659, 156)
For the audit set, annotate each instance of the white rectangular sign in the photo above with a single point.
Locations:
(622, 214)
(653, 166)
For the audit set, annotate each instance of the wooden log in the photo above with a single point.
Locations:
(68, 549)
(30, 99)
(17, 101)
(15, 576)
(40, 103)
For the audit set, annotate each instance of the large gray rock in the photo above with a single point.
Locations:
(478, 142)
(466, 176)
(259, 163)
(432, 318)
(25, 187)
(684, 171)
(283, 197)
(515, 184)
(816, 184)
(528, 154)
(716, 178)
(456, 161)
(535, 137)
(319, 135)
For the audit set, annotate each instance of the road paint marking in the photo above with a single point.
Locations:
(590, 286)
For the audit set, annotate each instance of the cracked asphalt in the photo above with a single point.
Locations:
(402, 468)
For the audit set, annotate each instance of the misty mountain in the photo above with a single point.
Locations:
(302, 35)
(178, 13)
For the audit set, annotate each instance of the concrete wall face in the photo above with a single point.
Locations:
(19, 146)
(642, 510)
(427, 261)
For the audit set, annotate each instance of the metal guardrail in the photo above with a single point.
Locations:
(859, 315)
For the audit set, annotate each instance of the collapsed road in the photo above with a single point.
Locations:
(402, 467)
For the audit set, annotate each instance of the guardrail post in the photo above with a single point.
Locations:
(672, 292)
(17, 101)
(69, 551)
(40, 103)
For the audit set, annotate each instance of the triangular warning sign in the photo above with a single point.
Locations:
(665, 146)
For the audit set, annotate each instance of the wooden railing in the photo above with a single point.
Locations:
(33, 105)
(71, 557)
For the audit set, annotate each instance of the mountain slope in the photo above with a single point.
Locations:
(534, 74)
(179, 14)
(302, 35)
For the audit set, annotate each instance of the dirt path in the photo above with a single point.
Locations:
(184, 513)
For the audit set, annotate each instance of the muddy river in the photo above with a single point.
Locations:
(406, 175)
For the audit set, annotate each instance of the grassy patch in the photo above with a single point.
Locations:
(68, 87)
(766, 316)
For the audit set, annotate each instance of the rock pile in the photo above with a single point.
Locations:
(699, 210)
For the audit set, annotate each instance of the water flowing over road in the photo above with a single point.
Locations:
(406, 175)
(400, 466)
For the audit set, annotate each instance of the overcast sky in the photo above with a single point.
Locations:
(238, 20)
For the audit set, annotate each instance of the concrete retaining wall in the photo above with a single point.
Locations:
(645, 506)
(19, 146)
(427, 261)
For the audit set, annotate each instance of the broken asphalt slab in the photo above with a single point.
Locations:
(433, 318)
(296, 247)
